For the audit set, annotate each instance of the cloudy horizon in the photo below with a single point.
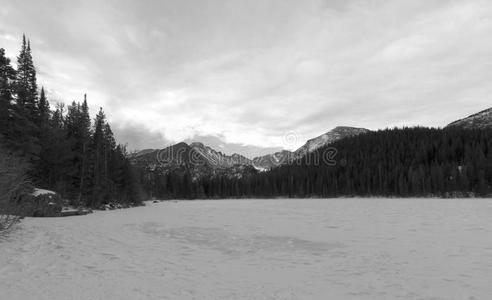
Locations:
(258, 72)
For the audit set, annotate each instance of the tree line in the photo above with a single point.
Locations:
(65, 150)
(399, 162)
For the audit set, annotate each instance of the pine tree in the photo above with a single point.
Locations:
(61, 153)
(26, 86)
(25, 114)
(54, 162)
(44, 110)
(7, 75)
(44, 133)
(66, 155)
(98, 160)
(84, 128)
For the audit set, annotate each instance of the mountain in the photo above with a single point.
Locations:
(267, 162)
(200, 160)
(330, 137)
(141, 152)
(195, 159)
(219, 143)
(219, 159)
(398, 162)
(480, 120)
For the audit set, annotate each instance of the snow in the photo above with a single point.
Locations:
(259, 169)
(256, 249)
(330, 137)
(38, 192)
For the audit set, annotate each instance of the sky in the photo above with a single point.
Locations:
(258, 73)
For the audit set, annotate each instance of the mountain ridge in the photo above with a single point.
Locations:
(327, 138)
(202, 160)
(197, 160)
(482, 119)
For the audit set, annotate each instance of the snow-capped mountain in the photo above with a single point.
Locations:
(481, 119)
(196, 159)
(142, 152)
(201, 160)
(220, 144)
(267, 162)
(330, 137)
(270, 161)
(219, 159)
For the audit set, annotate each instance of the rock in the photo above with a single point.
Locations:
(41, 204)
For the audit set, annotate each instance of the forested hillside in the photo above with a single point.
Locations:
(405, 162)
(64, 149)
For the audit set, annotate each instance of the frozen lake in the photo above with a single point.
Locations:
(257, 249)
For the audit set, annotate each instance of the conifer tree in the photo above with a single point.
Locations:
(83, 164)
(98, 160)
(24, 114)
(7, 75)
(26, 86)
(52, 165)
(83, 147)
(58, 154)
(44, 110)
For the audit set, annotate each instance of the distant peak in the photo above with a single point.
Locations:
(331, 136)
(197, 144)
(482, 119)
(180, 145)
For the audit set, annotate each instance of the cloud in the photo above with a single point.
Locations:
(252, 72)
(220, 144)
(138, 137)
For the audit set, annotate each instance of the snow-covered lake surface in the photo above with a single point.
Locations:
(257, 249)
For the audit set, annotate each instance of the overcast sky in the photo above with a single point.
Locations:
(260, 72)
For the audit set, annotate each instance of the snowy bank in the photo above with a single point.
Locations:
(39, 192)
